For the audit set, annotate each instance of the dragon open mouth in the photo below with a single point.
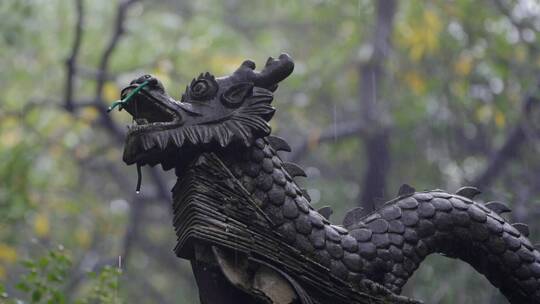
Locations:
(150, 109)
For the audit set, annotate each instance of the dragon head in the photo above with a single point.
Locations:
(213, 113)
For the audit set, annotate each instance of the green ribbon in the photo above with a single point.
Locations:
(123, 102)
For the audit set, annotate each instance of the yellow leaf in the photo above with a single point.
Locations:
(111, 91)
(421, 35)
(415, 82)
(83, 238)
(8, 253)
(41, 225)
(89, 114)
(484, 113)
(463, 65)
(500, 119)
(432, 27)
(10, 137)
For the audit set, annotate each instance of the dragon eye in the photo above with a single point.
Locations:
(203, 88)
(199, 88)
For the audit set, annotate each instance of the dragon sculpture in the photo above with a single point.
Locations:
(253, 237)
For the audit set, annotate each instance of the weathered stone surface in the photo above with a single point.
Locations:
(332, 234)
(442, 204)
(276, 195)
(323, 257)
(496, 245)
(396, 227)
(290, 210)
(302, 204)
(257, 155)
(494, 226)
(349, 243)
(362, 234)
(460, 218)
(304, 244)
(334, 250)
(423, 196)
(425, 228)
(338, 269)
(288, 231)
(476, 214)
(303, 224)
(378, 226)
(381, 240)
(408, 203)
(396, 239)
(367, 250)
(426, 210)
(316, 219)
(267, 165)
(390, 213)
(318, 238)
(512, 242)
(252, 169)
(459, 204)
(279, 177)
(409, 218)
(352, 261)
(443, 221)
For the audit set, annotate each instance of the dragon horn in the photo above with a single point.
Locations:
(274, 71)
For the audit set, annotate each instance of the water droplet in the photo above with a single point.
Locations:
(137, 191)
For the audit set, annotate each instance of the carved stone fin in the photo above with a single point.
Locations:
(523, 228)
(294, 169)
(468, 192)
(353, 216)
(161, 140)
(278, 143)
(406, 189)
(306, 194)
(326, 211)
(498, 207)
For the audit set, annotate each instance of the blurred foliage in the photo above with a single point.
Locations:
(47, 275)
(454, 85)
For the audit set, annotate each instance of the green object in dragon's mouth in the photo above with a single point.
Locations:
(213, 112)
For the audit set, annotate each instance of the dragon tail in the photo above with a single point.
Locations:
(397, 237)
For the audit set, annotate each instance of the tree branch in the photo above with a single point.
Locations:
(71, 62)
(510, 149)
(336, 132)
(119, 30)
(376, 144)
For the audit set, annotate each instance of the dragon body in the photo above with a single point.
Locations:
(252, 235)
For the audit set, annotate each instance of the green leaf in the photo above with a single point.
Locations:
(36, 296)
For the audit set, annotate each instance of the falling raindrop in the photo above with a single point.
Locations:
(335, 126)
